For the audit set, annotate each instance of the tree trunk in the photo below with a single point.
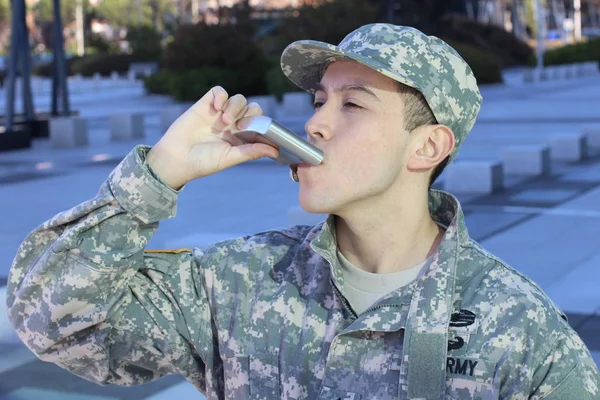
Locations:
(154, 14)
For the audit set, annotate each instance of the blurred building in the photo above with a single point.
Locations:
(263, 9)
(254, 3)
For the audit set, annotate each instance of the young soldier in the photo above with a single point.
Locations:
(388, 298)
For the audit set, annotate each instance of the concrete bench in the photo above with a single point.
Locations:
(126, 126)
(567, 71)
(570, 71)
(296, 104)
(141, 69)
(95, 81)
(529, 76)
(587, 68)
(534, 75)
(297, 216)
(268, 104)
(593, 136)
(75, 83)
(570, 147)
(555, 72)
(199, 240)
(169, 114)
(40, 87)
(527, 160)
(474, 176)
(68, 132)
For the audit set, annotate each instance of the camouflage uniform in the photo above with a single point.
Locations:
(262, 317)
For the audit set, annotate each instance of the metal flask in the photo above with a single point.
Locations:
(292, 148)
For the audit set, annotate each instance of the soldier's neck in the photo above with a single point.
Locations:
(385, 238)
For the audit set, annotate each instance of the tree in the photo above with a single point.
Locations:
(145, 43)
(328, 21)
(239, 14)
(5, 21)
(44, 11)
(136, 12)
(426, 15)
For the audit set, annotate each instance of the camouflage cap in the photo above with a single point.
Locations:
(404, 54)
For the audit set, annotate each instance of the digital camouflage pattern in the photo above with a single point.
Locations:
(261, 317)
(404, 54)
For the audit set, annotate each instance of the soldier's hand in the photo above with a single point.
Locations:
(201, 142)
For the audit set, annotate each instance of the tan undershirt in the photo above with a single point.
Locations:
(362, 289)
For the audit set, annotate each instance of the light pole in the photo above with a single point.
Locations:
(540, 35)
(195, 9)
(60, 92)
(79, 22)
(577, 20)
(179, 7)
(138, 6)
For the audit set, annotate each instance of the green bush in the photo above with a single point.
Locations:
(488, 38)
(202, 56)
(98, 44)
(277, 82)
(330, 22)
(572, 53)
(45, 69)
(158, 82)
(192, 84)
(103, 64)
(486, 67)
(218, 46)
(145, 43)
(88, 65)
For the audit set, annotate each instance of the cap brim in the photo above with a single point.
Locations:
(303, 61)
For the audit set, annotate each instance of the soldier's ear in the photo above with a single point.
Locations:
(430, 145)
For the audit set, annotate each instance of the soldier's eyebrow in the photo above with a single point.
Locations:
(353, 87)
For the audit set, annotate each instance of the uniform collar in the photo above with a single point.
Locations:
(444, 208)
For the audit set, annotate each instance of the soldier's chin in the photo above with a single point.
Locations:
(314, 204)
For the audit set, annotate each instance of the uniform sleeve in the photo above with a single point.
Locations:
(84, 294)
(568, 371)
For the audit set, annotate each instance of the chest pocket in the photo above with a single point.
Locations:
(252, 377)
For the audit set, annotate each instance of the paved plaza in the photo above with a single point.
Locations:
(546, 227)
